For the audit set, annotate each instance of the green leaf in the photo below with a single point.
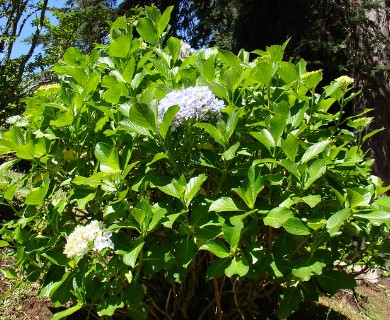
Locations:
(66, 312)
(265, 137)
(217, 269)
(130, 258)
(143, 116)
(213, 132)
(314, 150)
(193, 187)
(108, 157)
(277, 217)
(377, 217)
(128, 125)
(289, 302)
(291, 167)
(316, 170)
(225, 204)
(239, 265)
(333, 281)
(73, 57)
(358, 197)
(290, 146)
(109, 305)
(312, 200)
(147, 30)
(337, 219)
(37, 196)
(306, 269)
(63, 119)
(169, 186)
(296, 226)
(168, 117)
(119, 47)
(217, 247)
(185, 251)
(276, 127)
(163, 21)
(26, 151)
(288, 72)
(263, 73)
(174, 46)
(3, 243)
(232, 234)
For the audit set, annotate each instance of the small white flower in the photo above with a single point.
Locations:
(194, 102)
(80, 241)
(185, 50)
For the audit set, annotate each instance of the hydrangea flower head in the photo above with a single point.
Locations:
(83, 238)
(195, 103)
(344, 81)
(185, 50)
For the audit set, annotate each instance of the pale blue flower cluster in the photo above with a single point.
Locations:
(195, 103)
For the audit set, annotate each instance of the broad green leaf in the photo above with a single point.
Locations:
(108, 157)
(230, 153)
(232, 122)
(208, 70)
(56, 257)
(312, 200)
(119, 47)
(37, 196)
(288, 72)
(108, 306)
(276, 127)
(376, 217)
(225, 204)
(63, 119)
(232, 234)
(229, 58)
(289, 302)
(213, 132)
(130, 258)
(217, 269)
(174, 46)
(168, 117)
(291, 167)
(290, 146)
(337, 219)
(169, 186)
(128, 125)
(314, 150)
(193, 187)
(306, 269)
(143, 115)
(265, 137)
(66, 312)
(185, 252)
(3, 243)
(217, 247)
(296, 226)
(238, 265)
(316, 170)
(263, 73)
(277, 217)
(147, 30)
(26, 151)
(333, 281)
(358, 197)
(163, 21)
(74, 57)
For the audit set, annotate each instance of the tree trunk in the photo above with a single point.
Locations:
(369, 46)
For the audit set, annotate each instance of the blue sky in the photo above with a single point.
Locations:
(22, 48)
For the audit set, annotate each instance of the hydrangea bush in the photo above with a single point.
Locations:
(198, 185)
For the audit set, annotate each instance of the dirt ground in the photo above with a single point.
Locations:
(367, 301)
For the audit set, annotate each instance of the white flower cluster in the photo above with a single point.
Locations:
(195, 102)
(185, 50)
(84, 237)
(344, 81)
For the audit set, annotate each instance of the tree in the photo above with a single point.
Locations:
(13, 84)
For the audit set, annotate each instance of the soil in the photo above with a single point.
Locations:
(367, 301)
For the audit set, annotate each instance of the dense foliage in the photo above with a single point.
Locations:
(170, 182)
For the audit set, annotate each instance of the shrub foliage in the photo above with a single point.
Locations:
(272, 197)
